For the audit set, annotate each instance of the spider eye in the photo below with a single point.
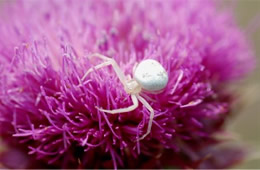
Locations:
(151, 75)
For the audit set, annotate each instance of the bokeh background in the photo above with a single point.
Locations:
(246, 122)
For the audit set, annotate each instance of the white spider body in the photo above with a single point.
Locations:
(149, 75)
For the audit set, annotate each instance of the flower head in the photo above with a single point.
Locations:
(48, 111)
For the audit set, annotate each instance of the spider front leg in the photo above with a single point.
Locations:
(121, 76)
(108, 61)
(147, 105)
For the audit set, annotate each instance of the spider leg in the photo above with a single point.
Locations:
(135, 65)
(108, 61)
(148, 97)
(147, 105)
(177, 82)
(123, 110)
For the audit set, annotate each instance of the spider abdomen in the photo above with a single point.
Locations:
(151, 75)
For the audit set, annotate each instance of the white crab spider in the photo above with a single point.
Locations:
(149, 75)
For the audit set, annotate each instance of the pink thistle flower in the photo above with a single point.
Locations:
(48, 114)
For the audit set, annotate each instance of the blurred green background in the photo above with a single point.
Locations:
(247, 123)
